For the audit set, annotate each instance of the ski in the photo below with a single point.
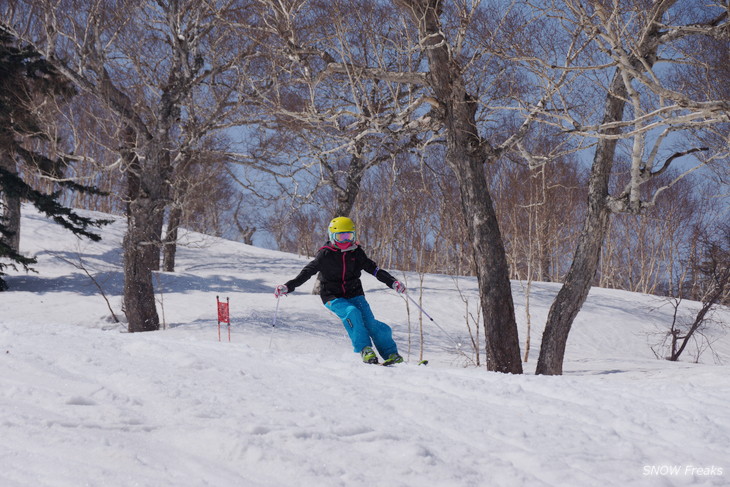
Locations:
(390, 364)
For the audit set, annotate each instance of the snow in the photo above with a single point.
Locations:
(85, 403)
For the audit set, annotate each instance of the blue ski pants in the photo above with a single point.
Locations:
(362, 326)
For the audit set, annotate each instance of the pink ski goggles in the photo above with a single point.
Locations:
(344, 237)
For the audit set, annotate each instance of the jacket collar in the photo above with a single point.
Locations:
(329, 245)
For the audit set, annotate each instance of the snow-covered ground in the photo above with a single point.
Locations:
(84, 403)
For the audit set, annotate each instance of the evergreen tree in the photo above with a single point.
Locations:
(25, 75)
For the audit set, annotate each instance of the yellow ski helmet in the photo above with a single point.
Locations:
(344, 226)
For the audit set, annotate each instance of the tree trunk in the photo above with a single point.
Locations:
(355, 171)
(147, 186)
(11, 204)
(466, 155)
(141, 256)
(170, 247)
(582, 271)
(495, 292)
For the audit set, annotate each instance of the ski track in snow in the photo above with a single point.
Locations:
(83, 404)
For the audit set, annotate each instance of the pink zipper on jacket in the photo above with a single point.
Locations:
(344, 268)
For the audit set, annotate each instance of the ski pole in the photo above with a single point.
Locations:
(419, 307)
(273, 325)
(276, 313)
(458, 345)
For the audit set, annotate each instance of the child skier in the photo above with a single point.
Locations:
(340, 262)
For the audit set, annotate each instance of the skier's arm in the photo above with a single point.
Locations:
(381, 275)
(308, 271)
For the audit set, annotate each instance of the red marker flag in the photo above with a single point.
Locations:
(224, 316)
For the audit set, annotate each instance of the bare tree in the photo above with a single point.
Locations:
(340, 122)
(466, 154)
(712, 265)
(246, 232)
(629, 41)
(170, 72)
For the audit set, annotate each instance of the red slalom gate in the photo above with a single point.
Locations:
(224, 316)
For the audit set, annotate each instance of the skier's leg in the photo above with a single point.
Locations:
(351, 317)
(381, 333)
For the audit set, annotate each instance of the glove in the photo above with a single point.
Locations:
(399, 287)
(281, 290)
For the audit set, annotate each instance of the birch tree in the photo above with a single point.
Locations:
(623, 46)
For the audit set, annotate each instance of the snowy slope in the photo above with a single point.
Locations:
(84, 403)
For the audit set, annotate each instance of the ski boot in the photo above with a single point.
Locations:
(368, 355)
(393, 358)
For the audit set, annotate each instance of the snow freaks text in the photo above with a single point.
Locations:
(683, 470)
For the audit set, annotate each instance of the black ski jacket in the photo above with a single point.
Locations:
(340, 272)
